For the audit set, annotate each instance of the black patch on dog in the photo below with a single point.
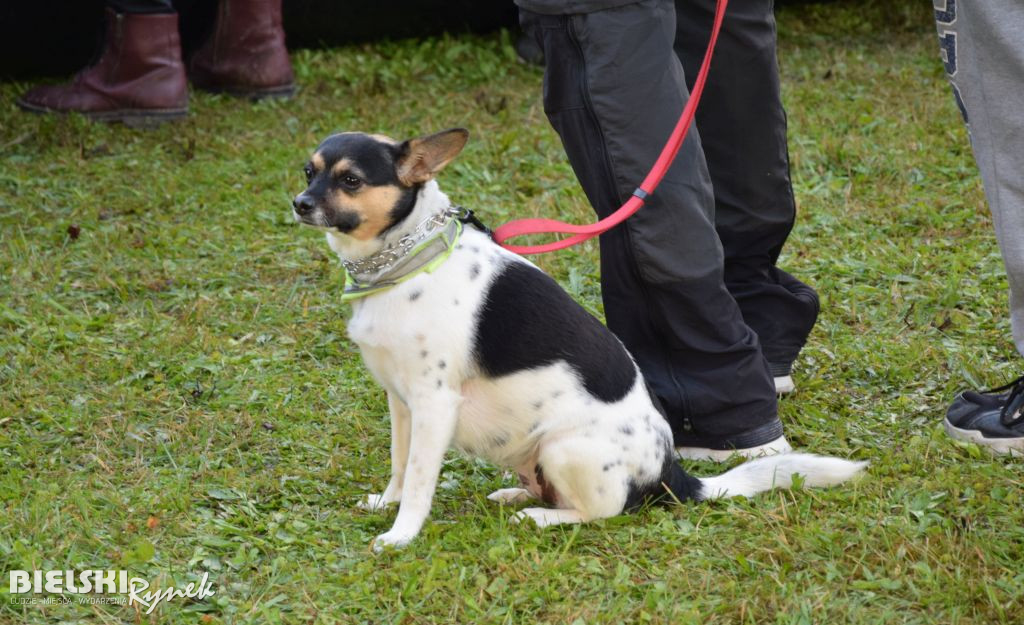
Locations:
(474, 271)
(682, 485)
(547, 490)
(627, 430)
(608, 465)
(344, 222)
(403, 208)
(415, 295)
(441, 364)
(376, 160)
(528, 321)
(377, 163)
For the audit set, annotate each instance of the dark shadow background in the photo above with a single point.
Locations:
(59, 37)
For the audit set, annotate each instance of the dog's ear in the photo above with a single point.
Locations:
(421, 158)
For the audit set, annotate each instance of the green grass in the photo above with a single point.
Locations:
(177, 393)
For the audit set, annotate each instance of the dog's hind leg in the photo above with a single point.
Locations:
(588, 482)
(400, 421)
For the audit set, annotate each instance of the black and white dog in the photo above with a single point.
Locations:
(478, 348)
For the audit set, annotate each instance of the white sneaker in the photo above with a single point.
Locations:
(784, 385)
(764, 440)
(771, 448)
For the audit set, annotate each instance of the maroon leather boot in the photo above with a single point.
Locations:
(245, 56)
(139, 79)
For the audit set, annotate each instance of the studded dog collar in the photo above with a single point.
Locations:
(425, 248)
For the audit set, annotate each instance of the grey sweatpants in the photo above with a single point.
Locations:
(983, 49)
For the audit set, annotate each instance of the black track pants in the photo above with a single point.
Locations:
(613, 90)
(743, 135)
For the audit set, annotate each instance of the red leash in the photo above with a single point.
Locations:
(580, 234)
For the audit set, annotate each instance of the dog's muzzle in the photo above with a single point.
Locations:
(303, 204)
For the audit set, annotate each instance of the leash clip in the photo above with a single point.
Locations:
(466, 216)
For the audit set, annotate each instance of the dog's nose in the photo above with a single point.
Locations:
(303, 204)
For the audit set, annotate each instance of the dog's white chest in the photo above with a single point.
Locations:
(419, 334)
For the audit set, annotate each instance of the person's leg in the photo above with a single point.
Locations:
(983, 55)
(613, 90)
(139, 77)
(245, 54)
(989, 75)
(743, 131)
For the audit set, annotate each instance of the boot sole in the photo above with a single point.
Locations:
(1003, 446)
(282, 92)
(128, 117)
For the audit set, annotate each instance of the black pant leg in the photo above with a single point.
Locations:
(613, 90)
(743, 130)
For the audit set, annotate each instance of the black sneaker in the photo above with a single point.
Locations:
(994, 418)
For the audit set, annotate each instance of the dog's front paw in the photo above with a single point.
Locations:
(391, 540)
(374, 503)
(510, 495)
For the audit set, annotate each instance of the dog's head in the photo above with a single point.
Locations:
(363, 185)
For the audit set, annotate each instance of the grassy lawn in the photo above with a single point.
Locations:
(178, 395)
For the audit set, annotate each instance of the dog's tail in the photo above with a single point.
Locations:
(761, 474)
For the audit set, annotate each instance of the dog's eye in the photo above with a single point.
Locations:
(351, 181)
(309, 173)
